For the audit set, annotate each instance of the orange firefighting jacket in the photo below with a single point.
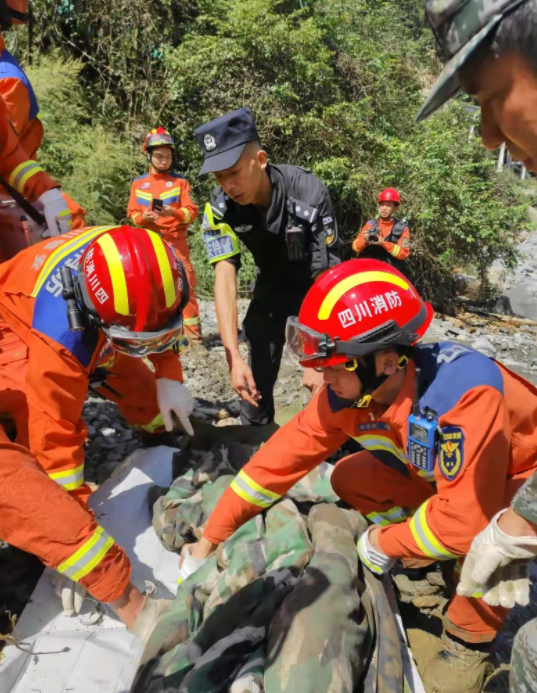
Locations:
(21, 102)
(60, 362)
(400, 250)
(174, 191)
(23, 111)
(488, 416)
(25, 175)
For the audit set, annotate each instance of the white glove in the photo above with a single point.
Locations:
(173, 396)
(376, 561)
(189, 564)
(71, 593)
(54, 208)
(489, 567)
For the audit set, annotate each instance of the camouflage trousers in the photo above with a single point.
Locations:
(523, 676)
(282, 606)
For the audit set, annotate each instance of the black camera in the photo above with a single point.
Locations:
(373, 236)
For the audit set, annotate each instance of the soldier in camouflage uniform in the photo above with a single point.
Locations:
(491, 49)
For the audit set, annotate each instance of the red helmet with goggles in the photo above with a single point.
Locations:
(134, 287)
(353, 310)
(159, 137)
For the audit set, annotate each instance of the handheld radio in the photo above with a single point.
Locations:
(423, 433)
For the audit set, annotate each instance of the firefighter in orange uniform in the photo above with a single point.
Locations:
(130, 291)
(160, 200)
(20, 99)
(385, 238)
(449, 436)
(38, 516)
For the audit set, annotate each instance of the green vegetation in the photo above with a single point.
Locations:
(335, 86)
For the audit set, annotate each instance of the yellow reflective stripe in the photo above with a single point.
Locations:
(69, 479)
(247, 497)
(392, 516)
(187, 214)
(144, 195)
(333, 296)
(117, 274)
(378, 442)
(165, 269)
(428, 476)
(191, 321)
(424, 537)
(170, 193)
(250, 491)
(395, 251)
(64, 250)
(158, 422)
(20, 175)
(89, 555)
(65, 213)
(135, 216)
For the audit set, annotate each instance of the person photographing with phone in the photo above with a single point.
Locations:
(161, 201)
(385, 238)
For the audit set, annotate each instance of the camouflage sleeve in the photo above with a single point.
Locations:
(525, 501)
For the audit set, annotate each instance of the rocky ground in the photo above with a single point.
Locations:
(110, 439)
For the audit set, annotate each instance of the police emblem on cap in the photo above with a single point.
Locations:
(209, 142)
(451, 455)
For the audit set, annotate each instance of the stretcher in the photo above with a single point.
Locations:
(94, 653)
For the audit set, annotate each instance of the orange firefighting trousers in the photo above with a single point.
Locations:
(132, 383)
(38, 516)
(191, 313)
(369, 486)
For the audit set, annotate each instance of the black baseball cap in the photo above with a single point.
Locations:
(223, 139)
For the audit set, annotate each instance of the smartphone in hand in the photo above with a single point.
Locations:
(157, 205)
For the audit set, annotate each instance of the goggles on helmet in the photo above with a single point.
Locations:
(307, 345)
(141, 344)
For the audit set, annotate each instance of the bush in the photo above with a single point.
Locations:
(334, 84)
(94, 164)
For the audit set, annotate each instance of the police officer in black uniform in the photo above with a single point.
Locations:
(283, 214)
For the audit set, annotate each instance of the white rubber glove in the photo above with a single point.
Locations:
(189, 564)
(173, 396)
(376, 561)
(489, 567)
(71, 593)
(54, 208)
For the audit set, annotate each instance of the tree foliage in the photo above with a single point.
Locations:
(334, 84)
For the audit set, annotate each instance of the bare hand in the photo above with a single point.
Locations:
(149, 215)
(166, 211)
(312, 380)
(242, 381)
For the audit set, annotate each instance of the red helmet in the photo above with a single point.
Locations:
(159, 137)
(13, 12)
(390, 195)
(134, 287)
(355, 309)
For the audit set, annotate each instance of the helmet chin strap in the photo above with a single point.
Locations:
(366, 372)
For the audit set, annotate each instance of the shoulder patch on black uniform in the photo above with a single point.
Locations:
(451, 452)
(406, 242)
(304, 212)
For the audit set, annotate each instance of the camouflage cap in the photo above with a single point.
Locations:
(459, 26)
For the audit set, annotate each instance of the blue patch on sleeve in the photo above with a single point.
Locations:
(451, 452)
(449, 370)
(50, 315)
(146, 175)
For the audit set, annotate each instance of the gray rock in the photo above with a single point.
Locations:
(485, 346)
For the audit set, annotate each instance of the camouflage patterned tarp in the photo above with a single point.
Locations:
(283, 606)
